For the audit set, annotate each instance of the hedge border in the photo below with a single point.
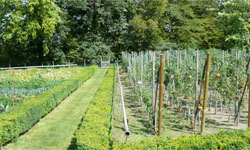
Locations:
(23, 117)
(224, 140)
(94, 133)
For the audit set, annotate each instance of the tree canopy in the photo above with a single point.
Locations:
(33, 32)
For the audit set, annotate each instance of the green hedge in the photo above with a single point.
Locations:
(226, 140)
(94, 132)
(24, 116)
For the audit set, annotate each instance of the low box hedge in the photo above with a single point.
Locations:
(94, 132)
(24, 116)
(224, 140)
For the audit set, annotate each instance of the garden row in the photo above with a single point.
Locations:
(95, 129)
(222, 140)
(183, 75)
(17, 86)
(24, 116)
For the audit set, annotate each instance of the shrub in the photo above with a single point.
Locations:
(226, 140)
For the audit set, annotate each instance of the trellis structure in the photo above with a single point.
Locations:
(183, 71)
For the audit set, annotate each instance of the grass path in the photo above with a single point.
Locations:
(55, 131)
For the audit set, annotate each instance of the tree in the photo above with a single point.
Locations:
(96, 22)
(184, 28)
(147, 26)
(28, 27)
(207, 11)
(235, 24)
(193, 24)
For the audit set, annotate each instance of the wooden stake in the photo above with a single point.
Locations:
(156, 90)
(153, 76)
(141, 86)
(155, 102)
(161, 94)
(129, 64)
(134, 73)
(241, 99)
(206, 93)
(168, 53)
(196, 76)
(249, 105)
(141, 66)
(223, 55)
(13, 96)
(177, 59)
(239, 104)
(199, 97)
(135, 67)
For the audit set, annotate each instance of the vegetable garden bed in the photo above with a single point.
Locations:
(21, 85)
(25, 115)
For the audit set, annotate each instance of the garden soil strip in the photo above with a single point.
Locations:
(138, 123)
(55, 131)
(175, 125)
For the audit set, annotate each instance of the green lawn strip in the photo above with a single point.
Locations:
(56, 130)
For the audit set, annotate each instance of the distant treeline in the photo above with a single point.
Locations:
(33, 32)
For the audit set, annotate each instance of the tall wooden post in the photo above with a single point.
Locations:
(206, 93)
(161, 94)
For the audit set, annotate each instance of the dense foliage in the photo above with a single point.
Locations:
(27, 30)
(42, 31)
